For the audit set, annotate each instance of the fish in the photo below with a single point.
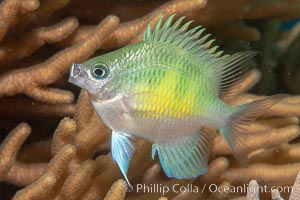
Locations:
(166, 89)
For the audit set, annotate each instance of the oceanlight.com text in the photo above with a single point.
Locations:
(211, 188)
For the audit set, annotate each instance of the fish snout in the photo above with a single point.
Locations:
(76, 73)
(75, 70)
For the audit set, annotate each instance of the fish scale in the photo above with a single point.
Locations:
(165, 89)
(168, 80)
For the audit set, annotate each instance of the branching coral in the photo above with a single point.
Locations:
(32, 41)
(9, 10)
(253, 191)
(10, 147)
(39, 41)
(10, 170)
(212, 14)
(31, 80)
(117, 191)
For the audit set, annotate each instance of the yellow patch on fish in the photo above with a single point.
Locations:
(165, 100)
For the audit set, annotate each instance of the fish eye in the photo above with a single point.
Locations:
(99, 71)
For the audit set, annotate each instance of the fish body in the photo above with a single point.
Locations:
(160, 87)
(165, 89)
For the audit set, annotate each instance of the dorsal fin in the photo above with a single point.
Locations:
(226, 69)
(232, 70)
(181, 37)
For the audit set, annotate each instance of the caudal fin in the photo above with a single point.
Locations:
(242, 117)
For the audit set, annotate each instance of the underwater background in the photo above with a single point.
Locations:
(54, 146)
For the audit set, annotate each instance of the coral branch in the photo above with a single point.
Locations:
(117, 191)
(88, 139)
(238, 30)
(139, 163)
(253, 190)
(39, 16)
(10, 147)
(295, 194)
(263, 125)
(50, 95)
(128, 30)
(16, 49)
(283, 109)
(247, 9)
(60, 163)
(44, 186)
(37, 190)
(276, 195)
(63, 135)
(163, 198)
(84, 110)
(263, 173)
(151, 174)
(28, 80)
(287, 41)
(285, 153)
(21, 174)
(77, 182)
(215, 169)
(9, 10)
(266, 139)
(35, 152)
(272, 137)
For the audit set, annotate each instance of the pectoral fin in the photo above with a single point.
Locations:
(184, 159)
(122, 150)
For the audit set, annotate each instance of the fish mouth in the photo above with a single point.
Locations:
(75, 70)
(75, 75)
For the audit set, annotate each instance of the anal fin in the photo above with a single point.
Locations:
(122, 150)
(184, 159)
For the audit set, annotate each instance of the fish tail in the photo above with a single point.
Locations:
(240, 120)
